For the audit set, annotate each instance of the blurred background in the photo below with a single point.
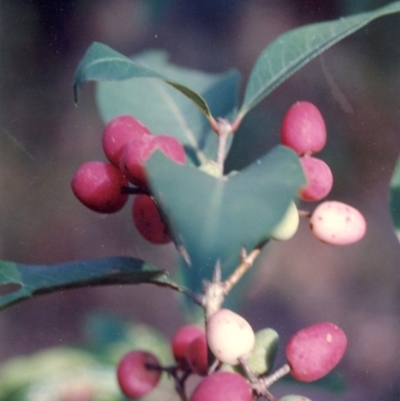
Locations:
(44, 138)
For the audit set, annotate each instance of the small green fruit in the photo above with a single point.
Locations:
(288, 225)
(264, 352)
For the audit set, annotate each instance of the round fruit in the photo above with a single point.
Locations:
(98, 186)
(319, 179)
(148, 221)
(229, 336)
(288, 225)
(135, 154)
(264, 353)
(118, 132)
(222, 386)
(181, 340)
(196, 355)
(303, 128)
(336, 223)
(314, 351)
(134, 376)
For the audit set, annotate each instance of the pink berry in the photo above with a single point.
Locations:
(303, 128)
(229, 336)
(148, 221)
(180, 342)
(196, 355)
(336, 223)
(222, 386)
(98, 186)
(118, 133)
(138, 151)
(319, 179)
(134, 375)
(314, 351)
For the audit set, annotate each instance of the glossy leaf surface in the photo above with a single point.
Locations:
(214, 218)
(164, 110)
(100, 63)
(31, 280)
(292, 50)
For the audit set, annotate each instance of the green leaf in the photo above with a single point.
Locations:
(41, 279)
(292, 50)
(165, 111)
(101, 63)
(213, 218)
(394, 200)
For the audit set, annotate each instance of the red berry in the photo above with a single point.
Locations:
(196, 355)
(314, 351)
(134, 376)
(303, 128)
(336, 223)
(222, 386)
(138, 151)
(98, 186)
(319, 179)
(148, 221)
(181, 340)
(118, 133)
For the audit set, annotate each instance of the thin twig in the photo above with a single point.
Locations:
(247, 261)
(271, 379)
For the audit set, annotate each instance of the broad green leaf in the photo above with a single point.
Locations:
(41, 279)
(292, 50)
(394, 202)
(214, 218)
(165, 111)
(101, 63)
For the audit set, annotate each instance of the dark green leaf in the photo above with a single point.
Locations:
(165, 111)
(101, 63)
(292, 50)
(40, 279)
(214, 218)
(395, 199)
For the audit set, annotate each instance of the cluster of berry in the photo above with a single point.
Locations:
(239, 366)
(303, 130)
(104, 187)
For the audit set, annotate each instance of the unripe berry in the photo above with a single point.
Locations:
(98, 186)
(222, 386)
(135, 154)
(288, 225)
(336, 223)
(314, 351)
(319, 179)
(134, 376)
(148, 220)
(294, 398)
(229, 336)
(264, 353)
(180, 343)
(118, 132)
(196, 355)
(303, 128)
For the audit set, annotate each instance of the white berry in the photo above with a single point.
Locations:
(229, 336)
(336, 223)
